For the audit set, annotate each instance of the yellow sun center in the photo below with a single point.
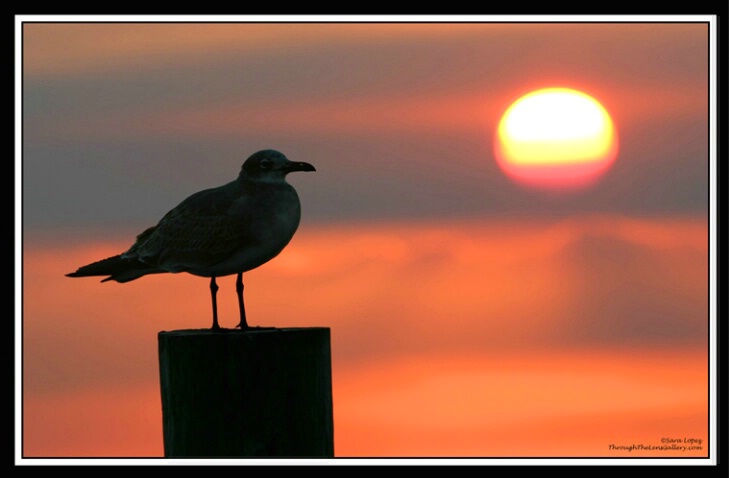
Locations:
(555, 137)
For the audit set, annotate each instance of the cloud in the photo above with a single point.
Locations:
(398, 118)
(395, 290)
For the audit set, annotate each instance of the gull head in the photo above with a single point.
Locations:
(270, 165)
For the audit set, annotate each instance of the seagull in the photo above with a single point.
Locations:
(227, 230)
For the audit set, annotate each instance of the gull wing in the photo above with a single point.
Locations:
(201, 231)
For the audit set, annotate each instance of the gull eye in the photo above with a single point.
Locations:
(265, 164)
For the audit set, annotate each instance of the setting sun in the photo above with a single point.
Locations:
(556, 138)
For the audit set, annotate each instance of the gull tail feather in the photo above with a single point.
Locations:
(117, 268)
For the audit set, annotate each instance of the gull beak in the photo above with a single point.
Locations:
(299, 166)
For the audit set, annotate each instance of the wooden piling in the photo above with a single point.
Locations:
(251, 393)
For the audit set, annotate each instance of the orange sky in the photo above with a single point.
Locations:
(547, 403)
(452, 339)
(62, 48)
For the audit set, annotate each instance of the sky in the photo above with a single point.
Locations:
(471, 316)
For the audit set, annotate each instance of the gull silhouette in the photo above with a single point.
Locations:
(217, 232)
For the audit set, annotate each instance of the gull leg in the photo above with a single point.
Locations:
(239, 289)
(213, 293)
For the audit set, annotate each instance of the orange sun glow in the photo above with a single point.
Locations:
(556, 138)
